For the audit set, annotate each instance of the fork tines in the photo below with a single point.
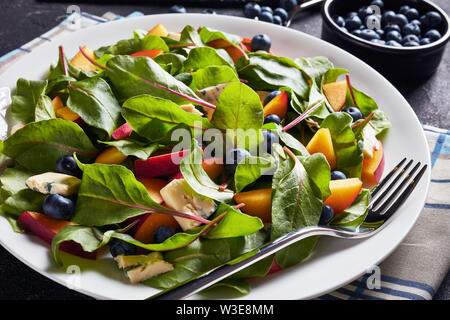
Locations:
(395, 190)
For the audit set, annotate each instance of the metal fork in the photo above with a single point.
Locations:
(301, 7)
(394, 191)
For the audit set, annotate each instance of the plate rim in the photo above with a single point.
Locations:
(126, 21)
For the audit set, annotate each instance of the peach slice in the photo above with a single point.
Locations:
(213, 167)
(343, 193)
(321, 142)
(372, 169)
(258, 203)
(80, 61)
(153, 186)
(336, 93)
(160, 165)
(111, 155)
(148, 53)
(158, 30)
(150, 222)
(278, 105)
(45, 228)
(57, 103)
(66, 114)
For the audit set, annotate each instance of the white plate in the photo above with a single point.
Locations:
(334, 262)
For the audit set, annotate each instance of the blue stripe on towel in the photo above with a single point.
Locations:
(437, 149)
(409, 283)
(437, 206)
(393, 292)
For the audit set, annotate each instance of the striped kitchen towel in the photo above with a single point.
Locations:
(417, 267)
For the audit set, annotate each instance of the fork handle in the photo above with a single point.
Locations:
(205, 280)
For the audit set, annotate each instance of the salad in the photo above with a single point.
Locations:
(181, 151)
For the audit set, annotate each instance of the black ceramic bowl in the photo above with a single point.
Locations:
(395, 63)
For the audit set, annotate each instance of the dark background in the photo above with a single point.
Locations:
(23, 20)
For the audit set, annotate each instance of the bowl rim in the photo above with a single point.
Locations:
(385, 48)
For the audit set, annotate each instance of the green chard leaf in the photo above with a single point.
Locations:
(110, 194)
(349, 155)
(268, 72)
(315, 67)
(64, 71)
(380, 122)
(202, 57)
(318, 170)
(239, 107)
(44, 109)
(211, 76)
(94, 101)
(135, 148)
(132, 76)
(355, 214)
(251, 169)
(173, 62)
(26, 98)
(38, 145)
(208, 35)
(365, 103)
(153, 118)
(129, 46)
(190, 35)
(296, 203)
(198, 179)
(24, 200)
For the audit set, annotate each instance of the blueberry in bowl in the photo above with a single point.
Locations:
(402, 39)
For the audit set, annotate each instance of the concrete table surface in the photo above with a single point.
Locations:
(23, 20)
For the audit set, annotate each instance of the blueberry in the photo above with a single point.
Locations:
(252, 10)
(410, 37)
(400, 19)
(380, 32)
(378, 41)
(68, 165)
(411, 28)
(261, 42)
(344, 29)
(282, 13)
(411, 44)
(412, 14)
(288, 5)
(327, 215)
(351, 14)
(354, 112)
(337, 175)
(353, 23)
(340, 21)
(266, 16)
(415, 21)
(433, 19)
(232, 159)
(269, 139)
(393, 43)
(58, 207)
(208, 11)
(162, 233)
(433, 35)
(424, 21)
(404, 9)
(393, 35)
(424, 41)
(177, 9)
(272, 118)
(392, 27)
(277, 20)
(387, 17)
(266, 8)
(369, 34)
(378, 3)
(356, 32)
(271, 95)
(118, 247)
(364, 12)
